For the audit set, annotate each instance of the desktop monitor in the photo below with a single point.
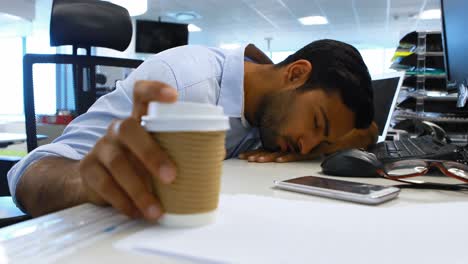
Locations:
(154, 36)
(455, 39)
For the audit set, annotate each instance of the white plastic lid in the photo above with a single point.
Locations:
(185, 116)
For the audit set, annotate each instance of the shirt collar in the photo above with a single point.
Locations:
(231, 96)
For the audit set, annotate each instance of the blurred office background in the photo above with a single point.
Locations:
(278, 27)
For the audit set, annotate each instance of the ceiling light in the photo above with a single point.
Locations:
(430, 14)
(134, 7)
(184, 16)
(193, 28)
(230, 46)
(313, 20)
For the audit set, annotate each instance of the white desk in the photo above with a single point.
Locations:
(240, 177)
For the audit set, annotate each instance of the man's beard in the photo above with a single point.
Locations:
(271, 117)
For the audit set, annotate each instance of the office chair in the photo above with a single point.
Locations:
(81, 24)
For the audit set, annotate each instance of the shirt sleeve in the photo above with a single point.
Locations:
(82, 133)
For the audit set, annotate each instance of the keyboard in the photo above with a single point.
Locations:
(425, 147)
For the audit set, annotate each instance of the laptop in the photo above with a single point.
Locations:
(386, 89)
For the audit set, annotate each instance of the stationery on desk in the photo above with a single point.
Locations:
(54, 236)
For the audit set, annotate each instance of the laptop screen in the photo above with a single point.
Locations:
(385, 94)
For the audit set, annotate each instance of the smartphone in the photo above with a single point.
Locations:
(338, 189)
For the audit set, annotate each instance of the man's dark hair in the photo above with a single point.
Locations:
(337, 66)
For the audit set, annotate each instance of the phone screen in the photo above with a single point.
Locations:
(345, 186)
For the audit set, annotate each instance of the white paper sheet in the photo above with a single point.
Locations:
(254, 229)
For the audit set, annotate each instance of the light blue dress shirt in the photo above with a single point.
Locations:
(200, 74)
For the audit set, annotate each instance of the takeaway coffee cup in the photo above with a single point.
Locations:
(193, 136)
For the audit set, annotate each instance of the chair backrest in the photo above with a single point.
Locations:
(90, 23)
(82, 24)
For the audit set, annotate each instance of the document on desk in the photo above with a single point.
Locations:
(254, 229)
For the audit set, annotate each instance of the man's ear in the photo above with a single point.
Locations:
(298, 73)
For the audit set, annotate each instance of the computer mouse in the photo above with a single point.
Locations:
(351, 163)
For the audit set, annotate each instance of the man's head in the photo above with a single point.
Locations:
(327, 92)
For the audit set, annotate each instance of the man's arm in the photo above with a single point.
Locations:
(116, 171)
(356, 138)
(49, 185)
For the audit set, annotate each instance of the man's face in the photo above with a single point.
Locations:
(301, 121)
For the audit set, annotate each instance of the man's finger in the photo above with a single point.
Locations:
(115, 160)
(247, 154)
(99, 181)
(269, 157)
(142, 172)
(296, 157)
(133, 136)
(145, 92)
(253, 157)
(288, 157)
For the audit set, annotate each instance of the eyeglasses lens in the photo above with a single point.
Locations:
(457, 169)
(402, 168)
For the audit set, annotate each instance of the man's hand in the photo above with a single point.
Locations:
(262, 156)
(121, 166)
(356, 138)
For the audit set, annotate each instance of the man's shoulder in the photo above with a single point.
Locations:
(192, 63)
(187, 53)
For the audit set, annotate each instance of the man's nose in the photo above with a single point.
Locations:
(306, 144)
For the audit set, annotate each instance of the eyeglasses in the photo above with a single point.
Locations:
(401, 170)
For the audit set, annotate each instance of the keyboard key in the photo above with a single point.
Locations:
(391, 146)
